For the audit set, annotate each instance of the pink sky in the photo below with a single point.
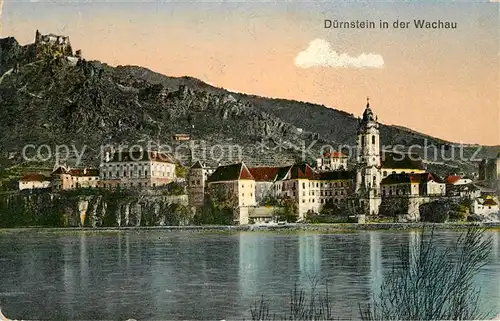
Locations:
(444, 83)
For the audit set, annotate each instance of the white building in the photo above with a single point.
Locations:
(233, 186)
(485, 206)
(33, 181)
(137, 169)
(331, 161)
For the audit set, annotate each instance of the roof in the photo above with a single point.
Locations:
(283, 172)
(60, 170)
(84, 172)
(264, 174)
(463, 187)
(139, 156)
(299, 171)
(198, 164)
(368, 114)
(77, 172)
(230, 173)
(489, 202)
(452, 179)
(33, 177)
(334, 155)
(336, 175)
(400, 160)
(403, 178)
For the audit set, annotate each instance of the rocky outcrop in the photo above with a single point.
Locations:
(107, 209)
(55, 101)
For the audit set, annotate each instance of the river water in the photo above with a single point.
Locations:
(164, 275)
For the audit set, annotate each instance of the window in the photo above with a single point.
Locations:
(303, 185)
(385, 173)
(198, 182)
(373, 139)
(362, 141)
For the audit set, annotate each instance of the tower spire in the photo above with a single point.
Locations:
(367, 102)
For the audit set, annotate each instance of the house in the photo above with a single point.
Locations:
(265, 178)
(65, 178)
(485, 205)
(332, 161)
(412, 185)
(33, 181)
(457, 180)
(233, 186)
(401, 163)
(127, 169)
(463, 190)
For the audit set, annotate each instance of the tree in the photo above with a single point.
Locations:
(433, 283)
(289, 210)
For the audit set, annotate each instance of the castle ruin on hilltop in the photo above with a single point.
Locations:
(54, 45)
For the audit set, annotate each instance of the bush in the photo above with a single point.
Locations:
(429, 284)
(302, 306)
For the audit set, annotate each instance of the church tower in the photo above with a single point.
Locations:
(368, 175)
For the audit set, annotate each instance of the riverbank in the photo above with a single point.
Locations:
(286, 227)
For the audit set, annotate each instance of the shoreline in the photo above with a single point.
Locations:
(327, 227)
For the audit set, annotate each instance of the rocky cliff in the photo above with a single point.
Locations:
(93, 209)
(55, 100)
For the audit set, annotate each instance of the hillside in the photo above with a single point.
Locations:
(48, 98)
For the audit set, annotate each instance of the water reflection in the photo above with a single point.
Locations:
(157, 275)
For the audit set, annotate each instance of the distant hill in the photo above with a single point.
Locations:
(48, 98)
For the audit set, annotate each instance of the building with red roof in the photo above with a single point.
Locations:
(457, 180)
(413, 185)
(233, 186)
(33, 181)
(64, 178)
(331, 161)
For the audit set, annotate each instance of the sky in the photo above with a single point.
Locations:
(442, 82)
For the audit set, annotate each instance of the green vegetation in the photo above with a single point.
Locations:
(432, 282)
(101, 206)
(213, 213)
(288, 211)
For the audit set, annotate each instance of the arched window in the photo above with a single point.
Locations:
(373, 139)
